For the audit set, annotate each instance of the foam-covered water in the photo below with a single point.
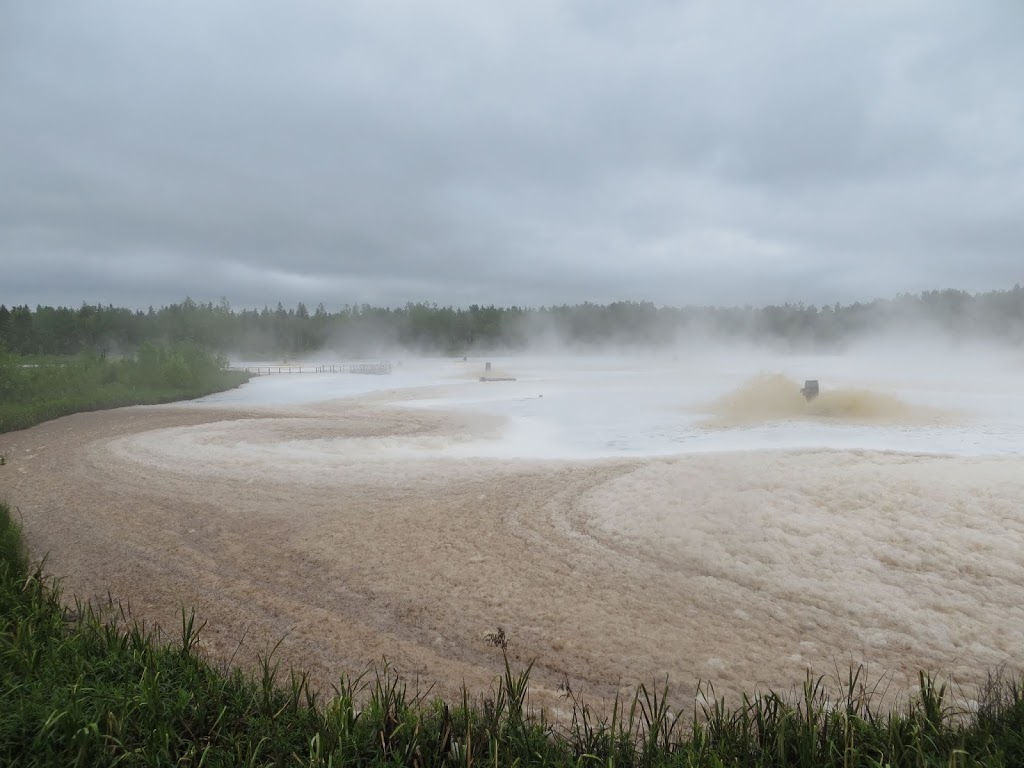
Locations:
(624, 517)
(591, 407)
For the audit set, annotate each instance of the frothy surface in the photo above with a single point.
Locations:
(772, 398)
(584, 408)
(611, 530)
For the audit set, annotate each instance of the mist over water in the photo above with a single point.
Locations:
(915, 398)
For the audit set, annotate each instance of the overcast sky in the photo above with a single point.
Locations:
(527, 152)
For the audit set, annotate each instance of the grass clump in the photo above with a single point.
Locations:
(43, 389)
(89, 687)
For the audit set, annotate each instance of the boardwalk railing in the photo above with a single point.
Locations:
(373, 369)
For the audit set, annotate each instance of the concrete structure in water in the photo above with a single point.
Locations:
(487, 368)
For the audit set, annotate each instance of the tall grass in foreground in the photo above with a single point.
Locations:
(90, 685)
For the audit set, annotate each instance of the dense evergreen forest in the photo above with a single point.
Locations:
(365, 330)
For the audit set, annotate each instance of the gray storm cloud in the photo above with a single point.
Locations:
(701, 152)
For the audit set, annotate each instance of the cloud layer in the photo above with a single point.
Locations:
(527, 153)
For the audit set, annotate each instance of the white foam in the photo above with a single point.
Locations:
(592, 407)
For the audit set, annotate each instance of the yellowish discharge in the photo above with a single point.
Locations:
(774, 397)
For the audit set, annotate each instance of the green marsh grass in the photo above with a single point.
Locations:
(85, 685)
(33, 392)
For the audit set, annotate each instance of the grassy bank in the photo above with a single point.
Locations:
(86, 686)
(38, 389)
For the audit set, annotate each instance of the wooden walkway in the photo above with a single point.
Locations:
(371, 369)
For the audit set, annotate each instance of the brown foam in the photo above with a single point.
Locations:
(774, 397)
(742, 568)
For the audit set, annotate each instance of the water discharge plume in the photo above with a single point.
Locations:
(775, 397)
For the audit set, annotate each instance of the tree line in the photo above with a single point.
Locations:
(362, 330)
